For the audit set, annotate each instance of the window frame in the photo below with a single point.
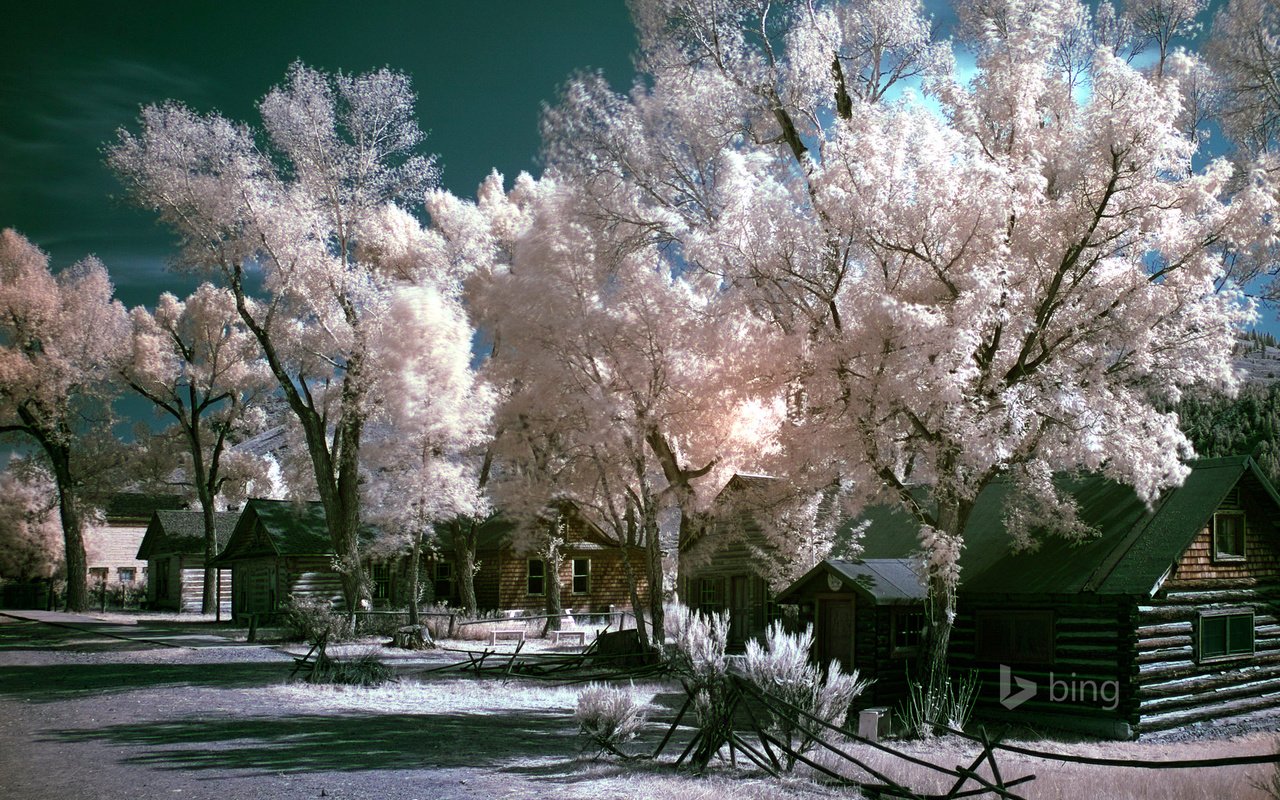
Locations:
(132, 572)
(447, 579)
(99, 574)
(1220, 555)
(541, 577)
(584, 576)
(986, 620)
(380, 580)
(711, 594)
(1225, 615)
(898, 619)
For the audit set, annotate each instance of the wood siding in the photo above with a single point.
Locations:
(1091, 651)
(114, 545)
(1172, 686)
(185, 583)
(608, 586)
(723, 562)
(260, 585)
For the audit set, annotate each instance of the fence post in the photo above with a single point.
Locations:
(253, 627)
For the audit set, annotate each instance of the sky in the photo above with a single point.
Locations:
(73, 73)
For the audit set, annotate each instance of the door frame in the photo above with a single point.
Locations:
(821, 602)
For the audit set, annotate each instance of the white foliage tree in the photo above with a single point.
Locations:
(61, 339)
(304, 205)
(1025, 277)
(422, 464)
(30, 536)
(198, 364)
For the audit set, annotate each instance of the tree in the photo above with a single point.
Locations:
(309, 203)
(436, 415)
(619, 386)
(197, 363)
(1019, 283)
(61, 338)
(30, 537)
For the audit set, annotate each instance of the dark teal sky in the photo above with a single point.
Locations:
(71, 73)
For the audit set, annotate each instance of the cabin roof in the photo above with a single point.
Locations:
(1134, 549)
(182, 532)
(884, 581)
(124, 506)
(288, 528)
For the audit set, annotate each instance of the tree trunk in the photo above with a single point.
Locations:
(72, 527)
(415, 568)
(555, 609)
(209, 599)
(464, 550)
(940, 608)
(653, 572)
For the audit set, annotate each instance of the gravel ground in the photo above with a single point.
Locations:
(103, 708)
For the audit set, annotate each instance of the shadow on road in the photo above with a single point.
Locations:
(51, 683)
(343, 742)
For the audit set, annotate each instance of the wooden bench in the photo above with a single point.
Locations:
(581, 636)
(517, 634)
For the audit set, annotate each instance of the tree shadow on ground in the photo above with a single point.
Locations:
(339, 741)
(55, 682)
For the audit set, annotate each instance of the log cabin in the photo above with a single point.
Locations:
(173, 547)
(1165, 616)
(279, 548)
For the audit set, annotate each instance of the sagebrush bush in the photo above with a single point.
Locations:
(695, 650)
(609, 717)
(309, 619)
(781, 668)
(365, 669)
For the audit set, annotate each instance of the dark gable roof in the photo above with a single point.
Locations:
(182, 533)
(883, 581)
(1134, 549)
(288, 528)
(124, 506)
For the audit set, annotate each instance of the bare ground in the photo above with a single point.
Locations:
(90, 711)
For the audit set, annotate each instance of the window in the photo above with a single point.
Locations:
(444, 580)
(380, 574)
(581, 575)
(1015, 637)
(710, 594)
(1225, 635)
(98, 574)
(1228, 536)
(537, 576)
(127, 574)
(906, 631)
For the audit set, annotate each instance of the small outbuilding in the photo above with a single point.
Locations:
(279, 548)
(174, 548)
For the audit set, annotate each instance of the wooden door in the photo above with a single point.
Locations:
(835, 631)
(739, 611)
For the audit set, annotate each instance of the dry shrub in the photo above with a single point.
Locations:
(310, 619)
(781, 668)
(365, 669)
(695, 651)
(609, 717)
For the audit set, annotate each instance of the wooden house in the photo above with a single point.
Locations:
(592, 573)
(1168, 615)
(279, 548)
(111, 543)
(727, 565)
(173, 547)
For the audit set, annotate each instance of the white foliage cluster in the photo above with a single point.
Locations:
(609, 716)
(781, 667)
(30, 533)
(1029, 268)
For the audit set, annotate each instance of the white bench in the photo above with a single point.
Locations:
(517, 634)
(580, 635)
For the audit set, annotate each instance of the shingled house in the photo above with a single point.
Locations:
(1165, 617)
(173, 547)
(111, 545)
(511, 577)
